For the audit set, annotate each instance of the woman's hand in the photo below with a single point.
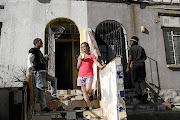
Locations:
(81, 57)
(103, 66)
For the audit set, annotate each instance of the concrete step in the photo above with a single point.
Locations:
(146, 107)
(66, 104)
(66, 95)
(41, 118)
(130, 90)
(94, 113)
(68, 92)
(154, 115)
(59, 115)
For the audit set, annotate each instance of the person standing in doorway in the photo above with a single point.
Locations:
(85, 76)
(137, 56)
(37, 67)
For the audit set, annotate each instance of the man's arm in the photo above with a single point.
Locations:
(30, 62)
(129, 62)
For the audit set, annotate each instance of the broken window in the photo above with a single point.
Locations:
(172, 45)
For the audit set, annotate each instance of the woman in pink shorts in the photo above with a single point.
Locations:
(85, 76)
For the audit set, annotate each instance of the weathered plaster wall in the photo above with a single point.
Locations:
(152, 40)
(25, 20)
(112, 91)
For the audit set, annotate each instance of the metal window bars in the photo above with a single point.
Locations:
(175, 40)
(110, 32)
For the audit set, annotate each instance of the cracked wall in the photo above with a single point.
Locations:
(25, 20)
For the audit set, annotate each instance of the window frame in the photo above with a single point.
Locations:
(172, 65)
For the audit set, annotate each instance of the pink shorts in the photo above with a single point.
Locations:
(83, 80)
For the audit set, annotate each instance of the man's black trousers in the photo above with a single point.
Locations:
(138, 74)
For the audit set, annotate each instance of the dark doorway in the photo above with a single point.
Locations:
(64, 65)
(63, 42)
(111, 41)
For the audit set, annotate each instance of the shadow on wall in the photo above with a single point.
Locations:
(44, 1)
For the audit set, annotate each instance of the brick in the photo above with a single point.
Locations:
(79, 97)
(37, 107)
(78, 103)
(79, 92)
(68, 92)
(64, 97)
(73, 92)
(62, 92)
(71, 115)
(95, 103)
(52, 104)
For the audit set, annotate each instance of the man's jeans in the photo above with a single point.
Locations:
(41, 77)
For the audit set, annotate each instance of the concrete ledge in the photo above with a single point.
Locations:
(42, 118)
(174, 67)
(11, 84)
(67, 104)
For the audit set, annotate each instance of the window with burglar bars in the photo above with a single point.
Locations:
(172, 45)
(110, 39)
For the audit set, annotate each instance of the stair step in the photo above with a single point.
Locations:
(41, 117)
(67, 104)
(130, 90)
(94, 113)
(58, 115)
(146, 107)
(55, 112)
(158, 115)
(68, 92)
(66, 95)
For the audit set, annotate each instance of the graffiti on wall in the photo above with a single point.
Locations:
(121, 94)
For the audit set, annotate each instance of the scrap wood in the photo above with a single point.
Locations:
(28, 80)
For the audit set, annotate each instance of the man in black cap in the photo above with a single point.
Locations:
(137, 56)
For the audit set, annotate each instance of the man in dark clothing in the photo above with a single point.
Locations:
(37, 66)
(137, 56)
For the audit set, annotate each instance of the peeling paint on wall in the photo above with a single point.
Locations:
(112, 91)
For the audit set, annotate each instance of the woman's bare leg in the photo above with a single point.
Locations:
(89, 88)
(85, 95)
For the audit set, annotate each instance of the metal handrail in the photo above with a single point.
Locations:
(157, 71)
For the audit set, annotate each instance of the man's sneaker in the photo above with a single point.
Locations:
(46, 109)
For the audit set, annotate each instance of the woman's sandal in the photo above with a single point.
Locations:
(86, 108)
(91, 98)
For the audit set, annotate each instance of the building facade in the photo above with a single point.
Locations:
(64, 24)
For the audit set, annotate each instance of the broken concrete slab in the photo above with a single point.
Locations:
(71, 115)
